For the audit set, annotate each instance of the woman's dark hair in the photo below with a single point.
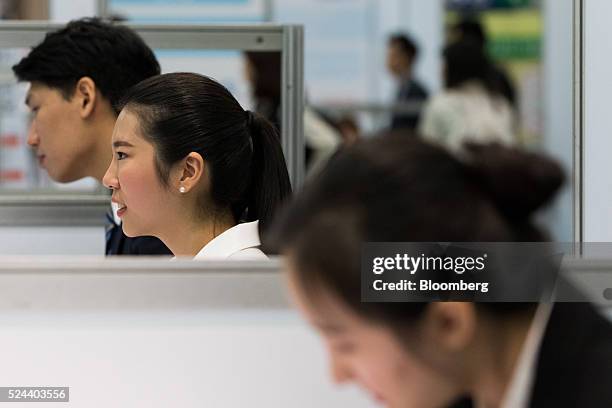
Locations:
(465, 60)
(266, 86)
(113, 56)
(180, 113)
(469, 27)
(398, 189)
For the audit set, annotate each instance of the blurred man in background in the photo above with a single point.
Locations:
(402, 54)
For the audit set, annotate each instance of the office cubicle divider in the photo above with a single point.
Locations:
(156, 333)
(90, 283)
(82, 283)
(159, 333)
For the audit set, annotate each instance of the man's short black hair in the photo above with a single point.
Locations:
(405, 43)
(113, 56)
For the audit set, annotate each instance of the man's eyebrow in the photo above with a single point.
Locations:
(122, 143)
(27, 99)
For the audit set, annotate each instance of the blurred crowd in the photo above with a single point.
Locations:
(477, 103)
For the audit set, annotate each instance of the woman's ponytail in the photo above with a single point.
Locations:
(270, 184)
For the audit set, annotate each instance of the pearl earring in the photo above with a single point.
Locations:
(182, 189)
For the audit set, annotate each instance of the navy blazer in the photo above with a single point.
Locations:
(574, 366)
(574, 363)
(410, 91)
(118, 243)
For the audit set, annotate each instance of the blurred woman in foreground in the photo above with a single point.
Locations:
(432, 354)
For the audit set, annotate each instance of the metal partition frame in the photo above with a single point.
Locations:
(103, 9)
(593, 276)
(87, 283)
(578, 113)
(97, 283)
(26, 209)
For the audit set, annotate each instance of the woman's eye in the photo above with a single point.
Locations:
(121, 155)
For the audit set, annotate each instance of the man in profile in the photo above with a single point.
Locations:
(402, 54)
(76, 75)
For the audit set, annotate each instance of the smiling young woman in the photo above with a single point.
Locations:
(429, 355)
(194, 169)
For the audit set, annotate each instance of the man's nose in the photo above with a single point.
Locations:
(33, 139)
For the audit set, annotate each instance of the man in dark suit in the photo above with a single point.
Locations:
(402, 53)
(77, 75)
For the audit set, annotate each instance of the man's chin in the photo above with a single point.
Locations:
(62, 177)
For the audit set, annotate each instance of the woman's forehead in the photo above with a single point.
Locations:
(127, 128)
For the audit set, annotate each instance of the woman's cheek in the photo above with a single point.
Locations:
(135, 183)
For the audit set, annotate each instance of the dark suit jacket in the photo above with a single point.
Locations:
(410, 91)
(118, 243)
(574, 365)
(575, 360)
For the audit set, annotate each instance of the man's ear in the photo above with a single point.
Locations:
(85, 96)
(191, 171)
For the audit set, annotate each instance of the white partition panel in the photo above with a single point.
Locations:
(152, 334)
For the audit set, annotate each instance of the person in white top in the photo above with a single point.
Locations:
(194, 169)
(472, 107)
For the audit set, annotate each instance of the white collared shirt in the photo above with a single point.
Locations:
(114, 209)
(241, 242)
(518, 392)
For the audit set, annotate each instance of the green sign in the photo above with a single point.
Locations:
(515, 48)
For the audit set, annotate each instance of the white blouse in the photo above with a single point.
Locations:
(468, 113)
(241, 242)
(519, 390)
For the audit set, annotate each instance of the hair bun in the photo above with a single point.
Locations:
(518, 182)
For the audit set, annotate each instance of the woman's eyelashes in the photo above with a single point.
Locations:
(121, 155)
